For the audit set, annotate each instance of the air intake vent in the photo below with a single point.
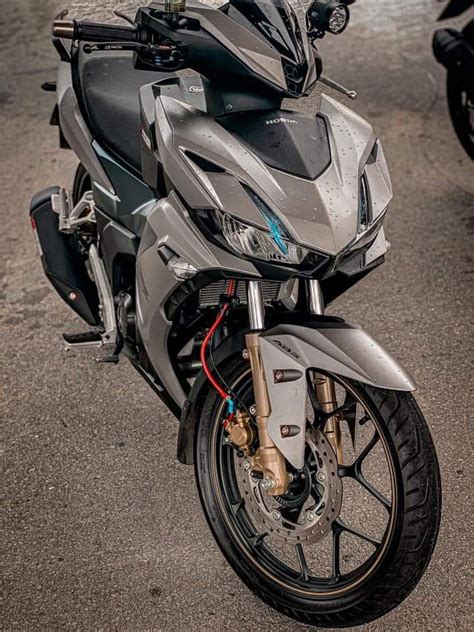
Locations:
(203, 163)
(210, 295)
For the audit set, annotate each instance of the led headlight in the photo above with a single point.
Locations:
(327, 16)
(338, 19)
(272, 245)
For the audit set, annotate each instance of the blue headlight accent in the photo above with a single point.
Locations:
(276, 230)
(275, 227)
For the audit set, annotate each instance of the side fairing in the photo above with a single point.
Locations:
(321, 214)
(75, 129)
(168, 225)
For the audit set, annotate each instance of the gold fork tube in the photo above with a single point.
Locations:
(326, 396)
(268, 459)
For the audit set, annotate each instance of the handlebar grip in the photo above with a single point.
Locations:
(94, 31)
(63, 29)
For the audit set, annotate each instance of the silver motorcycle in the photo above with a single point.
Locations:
(205, 233)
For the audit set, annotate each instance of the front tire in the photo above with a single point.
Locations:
(389, 574)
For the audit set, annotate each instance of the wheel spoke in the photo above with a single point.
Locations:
(305, 572)
(363, 420)
(237, 506)
(343, 408)
(256, 540)
(291, 514)
(360, 478)
(355, 468)
(367, 450)
(344, 527)
(355, 471)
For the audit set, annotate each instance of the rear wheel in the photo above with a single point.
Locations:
(349, 541)
(82, 183)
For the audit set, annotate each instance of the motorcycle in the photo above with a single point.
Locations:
(206, 231)
(455, 51)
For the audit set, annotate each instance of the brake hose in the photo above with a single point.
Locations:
(222, 393)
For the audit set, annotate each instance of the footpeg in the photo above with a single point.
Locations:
(89, 340)
(70, 217)
(108, 359)
(82, 341)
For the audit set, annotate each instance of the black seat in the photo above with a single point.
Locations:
(110, 91)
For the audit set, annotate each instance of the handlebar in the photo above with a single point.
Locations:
(94, 31)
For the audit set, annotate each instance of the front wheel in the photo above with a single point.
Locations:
(349, 541)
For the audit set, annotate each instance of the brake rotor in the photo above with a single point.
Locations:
(312, 520)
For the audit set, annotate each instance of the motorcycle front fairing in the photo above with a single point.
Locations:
(215, 169)
(320, 213)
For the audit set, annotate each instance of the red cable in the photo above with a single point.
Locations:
(210, 333)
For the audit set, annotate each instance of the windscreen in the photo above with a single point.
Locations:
(273, 21)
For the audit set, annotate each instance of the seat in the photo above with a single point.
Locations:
(110, 93)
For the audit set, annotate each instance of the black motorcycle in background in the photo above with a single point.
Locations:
(455, 50)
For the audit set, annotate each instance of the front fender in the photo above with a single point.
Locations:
(330, 346)
(324, 343)
(340, 348)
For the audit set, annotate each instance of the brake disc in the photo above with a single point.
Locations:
(312, 521)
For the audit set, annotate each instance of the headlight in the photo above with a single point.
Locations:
(338, 19)
(271, 246)
(364, 210)
(324, 15)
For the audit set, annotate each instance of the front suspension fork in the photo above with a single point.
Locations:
(324, 385)
(326, 396)
(268, 459)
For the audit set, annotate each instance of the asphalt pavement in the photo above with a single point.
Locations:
(101, 527)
